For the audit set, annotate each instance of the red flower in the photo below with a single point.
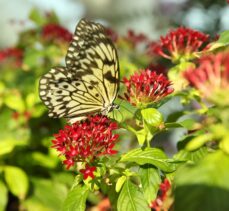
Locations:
(158, 68)
(134, 38)
(181, 43)
(157, 204)
(86, 140)
(88, 171)
(211, 75)
(146, 87)
(112, 34)
(12, 53)
(54, 31)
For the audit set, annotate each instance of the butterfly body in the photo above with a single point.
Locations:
(90, 81)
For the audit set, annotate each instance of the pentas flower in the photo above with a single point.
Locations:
(211, 76)
(86, 140)
(88, 171)
(158, 68)
(54, 31)
(180, 44)
(146, 87)
(112, 34)
(12, 53)
(135, 38)
(158, 203)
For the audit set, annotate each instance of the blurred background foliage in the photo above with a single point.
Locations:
(31, 174)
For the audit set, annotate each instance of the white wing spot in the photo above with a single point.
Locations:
(43, 81)
(42, 93)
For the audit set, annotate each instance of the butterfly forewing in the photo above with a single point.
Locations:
(89, 83)
(93, 57)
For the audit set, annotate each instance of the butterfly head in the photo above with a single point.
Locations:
(110, 108)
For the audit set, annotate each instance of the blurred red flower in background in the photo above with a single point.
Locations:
(157, 204)
(211, 75)
(112, 34)
(146, 87)
(16, 54)
(54, 31)
(135, 38)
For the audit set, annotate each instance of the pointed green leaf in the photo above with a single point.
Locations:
(4, 196)
(17, 181)
(131, 198)
(223, 41)
(198, 141)
(152, 156)
(15, 101)
(193, 156)
(150, 180)
(120, 183)
(36, 16)
(76, 199)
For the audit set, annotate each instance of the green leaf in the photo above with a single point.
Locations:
(141, 134)
(198, 141)
(152, 117)
(15, 101)
(188, 123)
(223, 41)
(203, 186)
(46, 195)
(125, 111)
(30, 100)
(173, 125)
(193, 156)
(17, 181)
(150, 180)
(131, 198)
(4, 196)
(32, 58)
(36, 16)
(120, 183)
(152, 156)
(76, 199)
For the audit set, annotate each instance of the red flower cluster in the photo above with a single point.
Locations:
(12, 53)
(134, 38)
(157, 204)
(112, 34)
(146, 87)
(86, 140)
(211, 75)
(54, 31)
(181, 43)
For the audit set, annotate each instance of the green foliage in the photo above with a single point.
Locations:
(31, 171)
(131, 198)
(76, 199)
(150, 180)
(152, 156)
(203, 186)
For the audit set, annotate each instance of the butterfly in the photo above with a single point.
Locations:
(89, 82)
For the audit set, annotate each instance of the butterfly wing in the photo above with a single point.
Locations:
(66, 96)
(93, 58)
(90, 81)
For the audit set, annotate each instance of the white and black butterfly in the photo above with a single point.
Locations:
(90, 81)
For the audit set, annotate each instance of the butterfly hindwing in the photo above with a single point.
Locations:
(66, 96)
